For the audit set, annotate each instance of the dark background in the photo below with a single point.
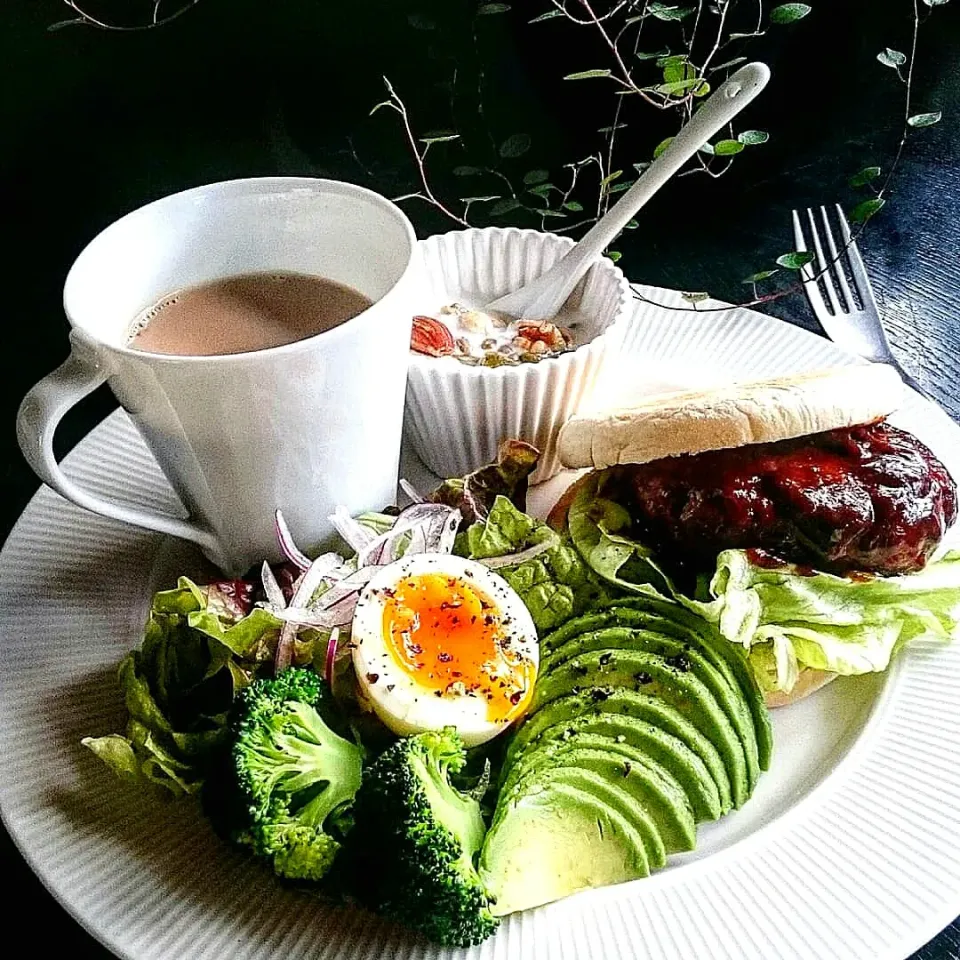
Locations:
(96, 123)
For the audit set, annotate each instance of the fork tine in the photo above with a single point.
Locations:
(823, 265)
(859, 272)
(836, 261)
(806, 274)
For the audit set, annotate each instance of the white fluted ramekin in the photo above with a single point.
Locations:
(456, 415)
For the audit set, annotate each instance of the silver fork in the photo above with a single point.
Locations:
(851, 319)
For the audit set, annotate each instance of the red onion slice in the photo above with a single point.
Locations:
(275, 597)
(511, 559)
(353, 532)
(411, 491)
(307, 586)
(287, 546)
(426, 517)
(331, 655)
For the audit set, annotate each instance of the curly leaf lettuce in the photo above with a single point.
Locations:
(555, 585)
(596, 526)
(197, 652)
(789, 621)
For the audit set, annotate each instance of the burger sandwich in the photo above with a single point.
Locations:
(789, 511)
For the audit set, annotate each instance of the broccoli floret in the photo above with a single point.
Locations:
(411, 852)
(295, 776)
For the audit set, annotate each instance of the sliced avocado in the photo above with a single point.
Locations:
(725, 656)
(626, 703)
(599, 671)
(646, 782)
(553, 842)
(599, 786)
(628, 736)
(683, 654)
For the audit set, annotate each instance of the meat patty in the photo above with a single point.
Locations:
(872, 498)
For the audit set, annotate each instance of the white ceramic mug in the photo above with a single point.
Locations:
(302, 427)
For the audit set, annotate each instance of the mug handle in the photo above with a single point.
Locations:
(42, 410)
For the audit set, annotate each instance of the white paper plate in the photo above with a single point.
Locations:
(850, 847)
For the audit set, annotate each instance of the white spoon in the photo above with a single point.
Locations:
(542, 298)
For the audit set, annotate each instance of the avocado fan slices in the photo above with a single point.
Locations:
(623, 703)
(644, 708)
(683, 655)
(599, 670)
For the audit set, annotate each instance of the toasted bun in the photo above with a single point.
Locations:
(763, 411)
(810, 681)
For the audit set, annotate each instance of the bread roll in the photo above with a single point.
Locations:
(688, 422)
(810, 681)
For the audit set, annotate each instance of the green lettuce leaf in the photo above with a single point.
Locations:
(555, 585)
(789, 621)
(196, 654)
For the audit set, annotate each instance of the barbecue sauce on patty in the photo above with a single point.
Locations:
(869, 498)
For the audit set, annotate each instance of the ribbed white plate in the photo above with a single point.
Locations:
(849, 849)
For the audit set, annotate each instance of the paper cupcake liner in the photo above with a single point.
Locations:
(456, 415)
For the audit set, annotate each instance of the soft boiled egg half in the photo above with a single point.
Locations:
(443, 641)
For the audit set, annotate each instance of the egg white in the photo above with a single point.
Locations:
(407, 707)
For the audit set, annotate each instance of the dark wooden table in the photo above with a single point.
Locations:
(96, 124)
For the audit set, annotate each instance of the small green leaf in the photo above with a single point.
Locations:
(679, 87)
(614, 255)
(620, 187)
(654, 55)
(661, 146)
(587, 74)
(515, 146)
(551, 213)
(892, 58)
(789, 12)
(506, 205)
(677, 68)
(702, 89)
(695, 296)
(862, 212)
(728, 63)
(549, 15)
(631, 225)
(419, 22)
(707, 148)
(864, 176)
(925, 119)
(542, 190)
(664, 12)
(795, 260)
(757, 277)
(465, 171)
(535, 176)
(492, 8)
(610, 178)
(439, 136)
(573, 205)
(727, 148)
(751, 137)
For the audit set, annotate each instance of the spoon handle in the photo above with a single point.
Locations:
(717, 111)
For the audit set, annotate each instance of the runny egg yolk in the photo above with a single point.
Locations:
(448, 635)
